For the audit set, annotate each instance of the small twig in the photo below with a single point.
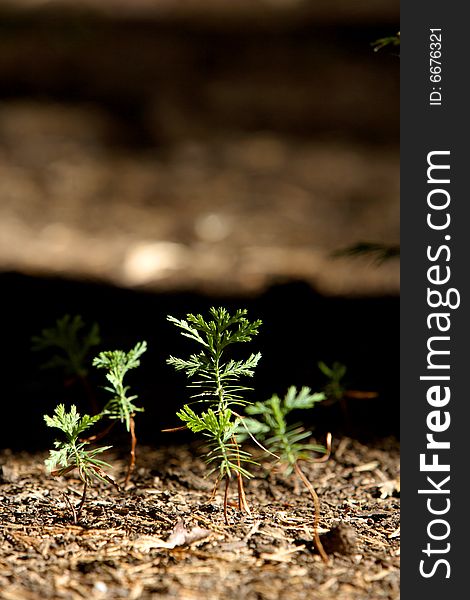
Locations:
(326, 456)
(71, 507)
(316, 503)
(172, 429)
(241, 417)
(214, 490)
(103, 475)
(252, 531)
(101, 435)
(360, 395)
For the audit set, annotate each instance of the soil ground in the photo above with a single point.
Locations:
(121, 547)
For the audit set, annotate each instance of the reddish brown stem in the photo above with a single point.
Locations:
(72, 508)
(172, 429)
(360, 395)
(326, 456)
(131, 466)
(101, 435)
(242, 502)
(214, 490)
(316, 503)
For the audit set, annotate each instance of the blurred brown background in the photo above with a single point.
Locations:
(210, 145)
(163, 156)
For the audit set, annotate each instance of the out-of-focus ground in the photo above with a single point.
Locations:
(211, 146)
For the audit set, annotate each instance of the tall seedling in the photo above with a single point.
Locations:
(289, 442)
(334, 389)
(215, 378)
(121, 407)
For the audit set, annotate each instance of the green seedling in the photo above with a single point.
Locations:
(71, 453)
(121, 407)
(288, 442)
(334, 388)
(70, 344)
(216, 382)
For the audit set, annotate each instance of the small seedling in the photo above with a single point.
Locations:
(121, 407)
(334, 389)
(216, 380)
(289, 442)
(71, 453)
(70, 344)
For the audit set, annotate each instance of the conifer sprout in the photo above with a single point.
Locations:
(334, 389)
(216, 382)
(71, 453)
(121, 407)
(289, 442)
(70, 344)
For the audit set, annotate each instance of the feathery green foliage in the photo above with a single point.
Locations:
(70, 342)
(216, 380)
(286, 441)
(117, 363)
(221, 429)
(121, 407)
(334, 388)
(70, 453)
(391, 40)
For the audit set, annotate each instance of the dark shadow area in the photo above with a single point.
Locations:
(299, 328)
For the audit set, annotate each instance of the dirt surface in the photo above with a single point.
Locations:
(161, 538)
